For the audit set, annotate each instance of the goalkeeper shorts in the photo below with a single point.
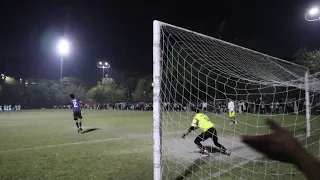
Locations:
(231, 114)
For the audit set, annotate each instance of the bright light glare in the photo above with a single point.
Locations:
(314, 11)
(63, 47)
(103, 64)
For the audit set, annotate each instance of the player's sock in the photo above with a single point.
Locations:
(80, 125)
(200, 146)
(77, 125)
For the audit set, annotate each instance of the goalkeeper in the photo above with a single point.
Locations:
(208, 131)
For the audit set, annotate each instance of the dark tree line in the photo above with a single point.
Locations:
(47, 93)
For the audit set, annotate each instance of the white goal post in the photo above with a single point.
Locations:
(192, 68)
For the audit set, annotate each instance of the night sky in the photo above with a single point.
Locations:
(120, 32)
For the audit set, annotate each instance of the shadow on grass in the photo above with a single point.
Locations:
(90, 130)
(201, 161)
(192, 168)
(214, 150)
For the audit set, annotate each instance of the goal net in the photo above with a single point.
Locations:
(191, 69)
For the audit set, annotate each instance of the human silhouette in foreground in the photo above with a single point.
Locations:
(281, 145)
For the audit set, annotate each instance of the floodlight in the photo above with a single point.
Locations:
(314, 11)
(103, 65)
(63, 47)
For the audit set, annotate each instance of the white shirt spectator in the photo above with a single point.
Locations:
(295, 107)
(231, 106)
(204, 104)
(240, 107)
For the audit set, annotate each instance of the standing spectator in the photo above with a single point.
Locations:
(220, 107)
(240, 107)
(204, 106)
(249, 107)
(253, 107)
(245, 105)
(281, 108)
(257, 106)
(277, 107)
(263, 110)
(231, 108)
(272, 107)
(295, 107)
(289, 107)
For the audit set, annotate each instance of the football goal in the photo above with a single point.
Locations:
(194, 70)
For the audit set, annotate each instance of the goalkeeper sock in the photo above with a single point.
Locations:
(80, 124)
(77, 125)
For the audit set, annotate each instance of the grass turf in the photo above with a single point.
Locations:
(45, 145)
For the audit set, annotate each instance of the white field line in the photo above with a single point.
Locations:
(222, 171)
(59, 145)
(75, 143)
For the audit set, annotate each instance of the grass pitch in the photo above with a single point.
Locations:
(118, 145)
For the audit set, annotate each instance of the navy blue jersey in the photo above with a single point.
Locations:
(76, 106)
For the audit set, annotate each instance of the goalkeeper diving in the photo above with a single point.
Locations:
(203, 122)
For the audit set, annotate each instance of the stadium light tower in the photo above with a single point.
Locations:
(103, 65)
(313, 14)
(63, 49)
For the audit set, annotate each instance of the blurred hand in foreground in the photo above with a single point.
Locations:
(281, 145)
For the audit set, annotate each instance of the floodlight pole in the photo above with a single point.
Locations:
(103, 65)
(61, 59)
(63, 48)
